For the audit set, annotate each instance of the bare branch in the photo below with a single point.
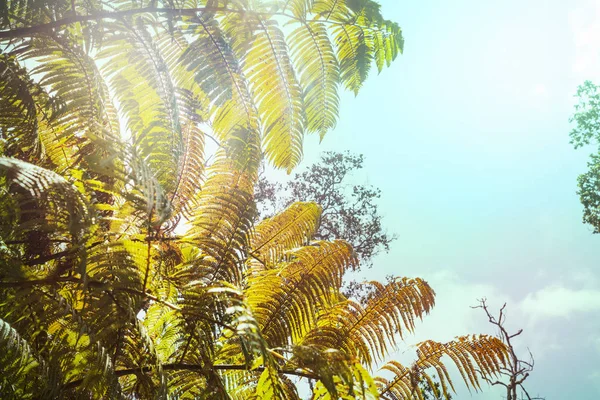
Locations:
(518, 370)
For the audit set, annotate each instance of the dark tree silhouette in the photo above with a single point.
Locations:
(350, 211)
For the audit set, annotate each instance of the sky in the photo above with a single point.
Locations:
(467, 137)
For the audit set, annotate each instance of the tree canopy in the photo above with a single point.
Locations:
(130, 264)
(585, 133)
(350, 211)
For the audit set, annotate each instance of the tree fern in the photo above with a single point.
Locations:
(18, 361)
(289, 229)
(277, 94)
(318, 75)
(131, 263)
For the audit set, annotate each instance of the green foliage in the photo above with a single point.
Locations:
(587, 132)
(130, 262)
(587, 116)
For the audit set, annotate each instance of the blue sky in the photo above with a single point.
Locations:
(467, 136)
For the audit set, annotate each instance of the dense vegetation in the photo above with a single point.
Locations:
(130, 265)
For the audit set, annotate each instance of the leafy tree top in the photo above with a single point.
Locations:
(586, 132)
(350, 211)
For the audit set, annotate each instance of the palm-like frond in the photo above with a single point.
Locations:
(319, 76)
(22, 102)
(473, 355)
(286, 299)
(277, 94)
(22, 372)
(289, 229)
(50, 216)
(221, 223)
(140, 79)
(366, 332)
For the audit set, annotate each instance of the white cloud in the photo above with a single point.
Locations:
(452, 315)
(558, 301)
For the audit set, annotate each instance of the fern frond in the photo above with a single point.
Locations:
(270, 386)
(140, 79)
(286, 300)
(354, 51)
(85, 115)
(227, 44)
(388, 43)
(291, 228)
(217, 71)
(361, 35)
(335, 10)
(55, 327)
(404, 384)
(16, 13)
(149, 195)
(472, 355)
(223, 332)
(365, 332)
(162, 325)
(221, 223)
(299, 8)
(22, 372)
(277, 94)
(22, 102)
(99, 375)
(191, 169)
(40, 182)
(318, 68)
(51, 216)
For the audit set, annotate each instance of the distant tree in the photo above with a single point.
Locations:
(350, 211)
(587, 132)
(513, 375)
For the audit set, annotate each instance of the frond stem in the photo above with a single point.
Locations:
(29, 31)
(197, 367)
(42, 28)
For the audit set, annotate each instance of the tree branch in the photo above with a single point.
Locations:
(99, 15)
(43, 28)
(199, 368)
(35, 282)
(518, 370)
(54, 281)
